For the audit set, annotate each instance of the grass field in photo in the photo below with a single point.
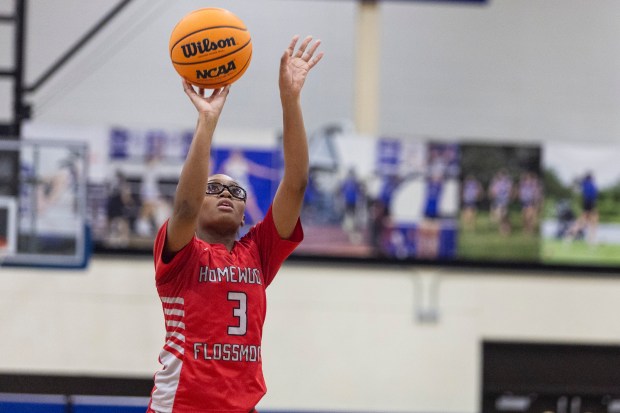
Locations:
(580, 252)
(485, 243)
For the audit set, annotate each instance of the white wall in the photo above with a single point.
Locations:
(343, 338)
(525, 69)
(512, 70)
(126, 69)
(336, 337)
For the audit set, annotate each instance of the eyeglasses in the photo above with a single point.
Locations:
(216, 188)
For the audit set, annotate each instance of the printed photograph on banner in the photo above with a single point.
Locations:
(501, 203)
(336, 208)
(136, 197)
(389, 198)
(126, 144)
(416, 206)
(144, 165)
(256, 171)
(581, 220)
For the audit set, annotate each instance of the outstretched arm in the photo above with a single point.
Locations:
(195, 173)
(294, 68)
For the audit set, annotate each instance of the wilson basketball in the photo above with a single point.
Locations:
(210, 48)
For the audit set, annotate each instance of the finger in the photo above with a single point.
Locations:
(303, 45)
(221, 91)
(312, 49)
(291, 47)
(201, 92)
(187, 87)
(285, 56)
(316, 59)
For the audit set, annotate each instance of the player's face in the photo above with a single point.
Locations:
(223, 206)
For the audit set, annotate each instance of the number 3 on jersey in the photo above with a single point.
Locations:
(240, 311)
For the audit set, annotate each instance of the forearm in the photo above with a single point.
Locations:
(295, 145)
(294, 67)
(290, 194)
(195, 172)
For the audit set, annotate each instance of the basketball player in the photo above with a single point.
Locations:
(211, 285)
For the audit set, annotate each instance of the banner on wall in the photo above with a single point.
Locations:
(501, 203)
(581, 218)
(388, 198)
(135, 199)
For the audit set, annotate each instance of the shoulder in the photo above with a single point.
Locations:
(187, 256)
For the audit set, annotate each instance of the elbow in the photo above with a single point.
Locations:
(302, 187)
(302, 183)
(183, 210)
(297, 186)
(295, 177)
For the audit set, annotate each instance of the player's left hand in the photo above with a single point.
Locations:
(295, 65)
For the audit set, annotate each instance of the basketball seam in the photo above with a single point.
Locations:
(216, 58)
(202, 30)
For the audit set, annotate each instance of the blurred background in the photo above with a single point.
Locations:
(451, 309)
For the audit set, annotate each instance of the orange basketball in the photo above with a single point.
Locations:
(210, 48)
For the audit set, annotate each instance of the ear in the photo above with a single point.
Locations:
(243, 220)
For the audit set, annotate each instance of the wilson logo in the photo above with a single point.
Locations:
(206, 45)
(216, 71)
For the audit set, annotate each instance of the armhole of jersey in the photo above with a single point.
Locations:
(279, 248)
(164, 271)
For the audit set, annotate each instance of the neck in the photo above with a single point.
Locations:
(228, 240)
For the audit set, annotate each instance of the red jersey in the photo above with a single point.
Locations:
(214, 306)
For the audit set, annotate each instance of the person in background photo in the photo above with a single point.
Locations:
(471, 195)
(57, 192)
(501, 194)
(150, 196)
(587, 222)
(243, 169)
(121, 210)
(530, 197)
(352, 192)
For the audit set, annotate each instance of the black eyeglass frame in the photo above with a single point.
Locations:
(230, 188)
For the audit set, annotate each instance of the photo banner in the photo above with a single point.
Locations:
(389, 198)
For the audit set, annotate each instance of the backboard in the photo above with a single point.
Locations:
(43, 215)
